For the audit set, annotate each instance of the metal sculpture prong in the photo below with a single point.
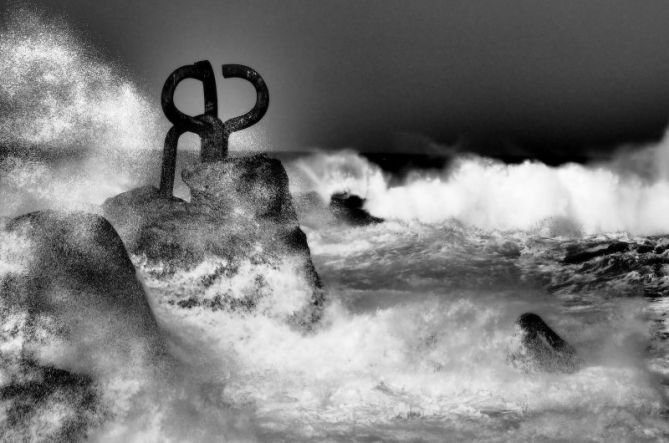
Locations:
(262, 98)
(213, 133)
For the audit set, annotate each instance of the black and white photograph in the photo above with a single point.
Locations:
(334, 221)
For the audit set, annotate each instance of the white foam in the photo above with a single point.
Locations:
(59, 98)
(495, 196)
(56, 93)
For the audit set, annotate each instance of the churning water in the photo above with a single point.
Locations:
(417, 342)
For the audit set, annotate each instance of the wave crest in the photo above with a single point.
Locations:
(492, 195)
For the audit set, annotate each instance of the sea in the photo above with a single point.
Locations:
(418, 341)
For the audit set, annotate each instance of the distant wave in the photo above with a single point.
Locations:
(628, 194)
(56, 93)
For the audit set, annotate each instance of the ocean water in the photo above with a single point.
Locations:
(418, 340)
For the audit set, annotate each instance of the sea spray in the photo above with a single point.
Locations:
(79, 361)
(74, 129)
(415, 343)
(491, 195)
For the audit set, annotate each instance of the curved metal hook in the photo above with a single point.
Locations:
(262, 97)
(207, 125)
(213, 133)
(202, 71)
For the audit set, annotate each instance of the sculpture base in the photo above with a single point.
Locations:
(231, 247)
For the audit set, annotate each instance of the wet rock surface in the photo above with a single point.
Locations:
(29, 399)
(72, 302)
(80, 254)
(544, 347)
(342, 209)
(349, 208)
(229, 247)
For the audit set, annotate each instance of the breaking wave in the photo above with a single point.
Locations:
(415, 341)
(57, 92)
(403, 354)
(628, 194)
(72, 125)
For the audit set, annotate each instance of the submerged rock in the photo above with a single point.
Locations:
(71, 308)
(342, 209)
(349, 209)
(546, 349)
(236, 245)
(81, 255)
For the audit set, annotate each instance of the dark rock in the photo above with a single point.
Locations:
(76, 292)
(80, 254)
(240, 225)
(545, 348)
(349, 209)
(577, 254)
(255, 186)
(31, 396)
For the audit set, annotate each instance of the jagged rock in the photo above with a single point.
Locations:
(546, 349)
(236, 245)
(349, 208)
(70, 306)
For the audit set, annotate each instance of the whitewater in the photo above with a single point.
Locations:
(418, 340)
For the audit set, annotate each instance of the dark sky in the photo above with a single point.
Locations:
(556, 80)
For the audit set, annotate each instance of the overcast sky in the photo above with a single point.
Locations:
(556, 80)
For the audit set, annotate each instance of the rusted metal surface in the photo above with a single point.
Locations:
(213, 133)
(262, 98)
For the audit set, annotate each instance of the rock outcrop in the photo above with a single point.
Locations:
(236, 245)
(349, 209)
(71, 308)
(342, 209)
(545, 348)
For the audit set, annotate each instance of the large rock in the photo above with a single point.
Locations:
(236, 245)
(349, 208)
(544, 347)
(71, 309)
(343, 208)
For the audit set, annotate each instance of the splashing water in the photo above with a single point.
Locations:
(418, 341)
(56, 93)
(60, 102)
(492, 195)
